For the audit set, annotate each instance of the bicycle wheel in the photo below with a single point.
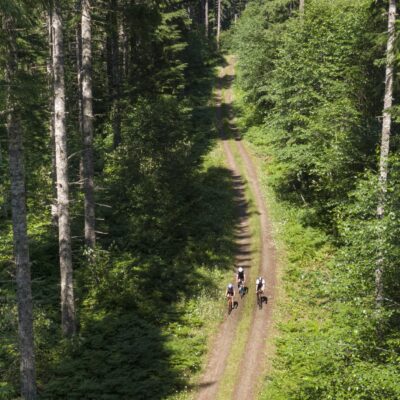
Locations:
(259, 301)
(230, 306)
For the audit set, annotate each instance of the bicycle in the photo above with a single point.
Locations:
(230, 304)
(259, 299)
(242, 289)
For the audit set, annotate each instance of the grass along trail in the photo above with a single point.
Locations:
(222, 343)
(237, 359)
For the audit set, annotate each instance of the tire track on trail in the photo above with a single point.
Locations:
(217, 359)
(253, 361)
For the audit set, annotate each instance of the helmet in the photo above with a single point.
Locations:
(230, 286)
(240, 269)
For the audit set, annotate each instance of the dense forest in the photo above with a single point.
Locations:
(117, 214)
(105, 202)
(316, 81)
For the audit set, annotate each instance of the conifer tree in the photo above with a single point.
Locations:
(19, 218)
(206, 17)
(218, 20)
(64, 230)
(50, 80)
(113, 69)
(87, 124)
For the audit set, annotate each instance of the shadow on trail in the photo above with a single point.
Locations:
(138, 302)
(228, 129)
(202, 385)
(137, 339)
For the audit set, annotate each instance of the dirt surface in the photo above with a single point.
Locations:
(253, 361)
(221, 346)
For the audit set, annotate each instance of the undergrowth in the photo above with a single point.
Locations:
(142, 337)
(325, 345)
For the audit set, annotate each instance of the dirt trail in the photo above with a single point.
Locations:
(253, 360)
(208, 387)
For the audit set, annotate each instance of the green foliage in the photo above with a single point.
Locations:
(92, 368)
(328, 345)
(308, 81)
(148, 295)
(145, 317)
(308, 103)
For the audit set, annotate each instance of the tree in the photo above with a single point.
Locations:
(67, 290)
(78, 57)
(206, 17)
(87, 124)
(113, 69)
(19, 220)
(218, 20)
(301, 6)
(385, 137)
(50, 78)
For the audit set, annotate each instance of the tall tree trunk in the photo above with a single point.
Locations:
(385, 140)
(206, 16)
(67, 289)
(50, 75)
(218, 20)
(124, 45)
(78, 57)
(113, 70)
(87, 103)
(18, 205)
(78, 39)
(301, 7)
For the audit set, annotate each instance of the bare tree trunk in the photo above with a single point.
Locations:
(18, 205)
(206, 16)
(385, 140)
(50, 74)
(87, 102)
(67, 289)
(78, 56)
(301, 7)
(78, 38)
(218, 20)
(113, 70)
(123, 40)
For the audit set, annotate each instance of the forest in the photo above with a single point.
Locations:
(317, 84)
(119, 210)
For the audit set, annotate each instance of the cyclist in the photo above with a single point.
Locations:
(260, 285)
(240, 276)
(230, 291)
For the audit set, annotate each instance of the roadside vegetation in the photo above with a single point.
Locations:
(309, 95)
